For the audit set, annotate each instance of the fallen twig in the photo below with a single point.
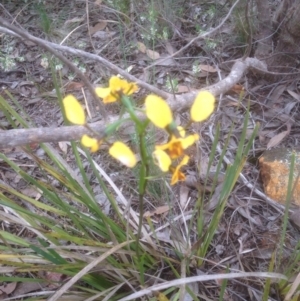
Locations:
(17, 137)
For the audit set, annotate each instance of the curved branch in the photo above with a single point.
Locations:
(17, 137)
(12, 30)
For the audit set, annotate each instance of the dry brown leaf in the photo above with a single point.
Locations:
(34, 100)
(27, 287)
(152, 54)
(55, 279)
(32, 192)
(183, 195)
(293, 94)
(63, 146)
(214, 200)
(99, 26)
(207, 68)
(182, 89)
(289, 107)
(169, 48)
(162, 209)
(159, 210)
(232, 104)
(279, 137)
(71, 86)
(8, 288)
(141, 47)
(237, 89)
(74, 20)
(104, 35)
(203, 165)
(29, 43)
(277, 92)
(165, 61)
(203, 74)
(293, 293)
(276, 140)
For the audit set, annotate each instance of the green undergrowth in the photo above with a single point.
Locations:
(66, 228)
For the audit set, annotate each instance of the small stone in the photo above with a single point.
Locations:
(275, 169)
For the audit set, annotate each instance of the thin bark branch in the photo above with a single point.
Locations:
(91, 56)
(17, 137)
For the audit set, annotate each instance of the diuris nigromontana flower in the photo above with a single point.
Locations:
(177, 175)
(116, 88)
(177, 145)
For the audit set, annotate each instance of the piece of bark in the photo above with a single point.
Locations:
(275, 170)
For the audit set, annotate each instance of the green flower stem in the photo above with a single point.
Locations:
(143, 180)
(110, 129)
(131, 111)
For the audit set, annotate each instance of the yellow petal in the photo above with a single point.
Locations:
(74, 110)
(131, 89)
(184, 161)
(114, 82)
(117, 84)
(95, 147)
(176, 146)
(111, 98)
(102, 92)
(203, 106)
(90, 142)
(177, 174)
(162, 160)
(173, 147)
(158, 111)
(181, 131)
(123, 153)
(107, 95)
(189, 140)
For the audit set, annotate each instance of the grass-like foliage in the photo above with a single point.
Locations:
(109, 254)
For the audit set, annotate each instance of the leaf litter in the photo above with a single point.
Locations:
(246, 222)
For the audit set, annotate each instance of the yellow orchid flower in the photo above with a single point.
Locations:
(162, 159)
(74, 110)
(117, 87)
(203, 106)
(91, 143)
(123, 153)
(158, 111)
(176, 146)
(177, 174)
